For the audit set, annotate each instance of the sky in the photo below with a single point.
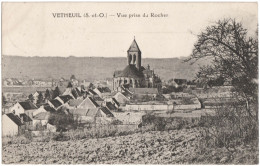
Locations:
(30, 29)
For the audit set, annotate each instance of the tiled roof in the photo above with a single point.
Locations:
(26, 118)
(104, 89)
(56, 103)
(27, 105)
(65, 98)
(106, 111)
(130, 71)
(15, 119)
(49, 109)
(115, 101)
(134, 47)
(111, 106)
(92, 92)
(93, 101)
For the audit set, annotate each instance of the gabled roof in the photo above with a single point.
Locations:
(144, 90)
(111, 106)
(98, 98)
(93, 101)
(104, 89)
(27, 105)
(15, 119)
(106, 111)
(92, 92)
(26, 118)
(134, 47)
(49, 108)
(115, 101)
(65, 98)
(56, 103)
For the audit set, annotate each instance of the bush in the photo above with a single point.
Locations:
(230, 127)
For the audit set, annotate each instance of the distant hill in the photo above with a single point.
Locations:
(91, 68)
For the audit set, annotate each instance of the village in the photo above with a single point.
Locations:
(123, 100)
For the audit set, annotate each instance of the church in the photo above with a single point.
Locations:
(134, 74)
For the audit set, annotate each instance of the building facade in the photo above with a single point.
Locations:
(135, 75)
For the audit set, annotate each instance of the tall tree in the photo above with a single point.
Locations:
(234, 55)
(47, 95)
(40, 98)
(31, 98)
(56, 92)
(4, 101)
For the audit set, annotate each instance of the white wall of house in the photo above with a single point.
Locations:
(17, 109)
(9, 128)
(39, 110)
(144, 107)
(129, 117)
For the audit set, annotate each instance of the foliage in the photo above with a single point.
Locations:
(56, 92)
(234, 55)
(62, 120)
(4, 101)
(230, 127)
(31, 98)
(47, 95)
(170, 89)
(69, 85)
(40, 98)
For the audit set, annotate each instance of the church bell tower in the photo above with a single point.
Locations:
(134, 55)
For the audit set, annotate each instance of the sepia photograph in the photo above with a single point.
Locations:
(130, 83)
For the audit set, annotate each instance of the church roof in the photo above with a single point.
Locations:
(130, 71)
(134, 47)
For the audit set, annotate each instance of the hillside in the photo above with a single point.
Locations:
(91, 68)
(154, 147)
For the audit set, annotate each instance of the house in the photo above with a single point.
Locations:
(105, 112)
(98, 100)
(115, 102)
(122, 98)
(40, 120)
(111, 107)
(180, 83)
(92, 93)
(64, 98)
(56, 104)
(11, 125)
(27, 121)
(26, 107)
(88, 103)
(102, 91)
(83, 115)
(74, 103)
(36, 94)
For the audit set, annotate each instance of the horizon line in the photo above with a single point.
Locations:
(73, 56)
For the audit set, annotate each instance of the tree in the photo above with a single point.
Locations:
(3, 100)
(31, 98)
(47, 95)
(56, 92)
(40, 98)
(69, 85)
(72, 77)
(233, 53)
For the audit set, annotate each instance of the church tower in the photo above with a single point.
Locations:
(134, 55)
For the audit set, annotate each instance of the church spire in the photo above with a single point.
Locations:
(134, 55)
